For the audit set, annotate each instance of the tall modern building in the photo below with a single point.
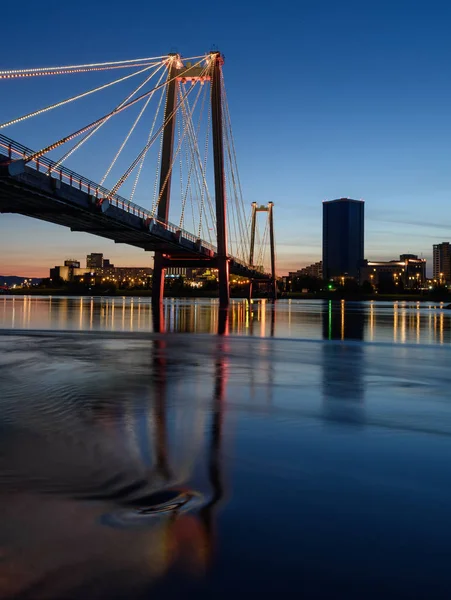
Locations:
(343, 237)
(442, 261)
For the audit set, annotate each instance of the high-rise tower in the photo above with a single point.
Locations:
(343, 237)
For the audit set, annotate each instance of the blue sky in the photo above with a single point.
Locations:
(328, 99)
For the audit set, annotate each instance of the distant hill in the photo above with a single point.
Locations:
(11, 280)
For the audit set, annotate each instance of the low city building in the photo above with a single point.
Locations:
(67, 272)
(71, 262)
(100, 270)
(409, 272)
(94, 260)
(130, 275)
(314, 270)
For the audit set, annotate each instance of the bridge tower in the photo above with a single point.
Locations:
(165, 174)
(269, 210)
(176, 73)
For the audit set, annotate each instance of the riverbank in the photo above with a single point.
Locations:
(198, 293)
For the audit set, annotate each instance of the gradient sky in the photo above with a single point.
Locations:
(328, 99)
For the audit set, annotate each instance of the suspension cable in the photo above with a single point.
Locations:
(189, 189)
(235, 245)
(182, 195)
(179, 146)
(72, 99)
(70, 67)
(234, 240)
(264, 243)
(203, 187)
(230, 195)
(193, 147)
(248, 226)
(190, 164)
(127, 137)
(257, 239)
(242, 236)
(97, 121)
(192, 140)
(69, 72)
(124, 177)
(148, 139)
(93, 131)
(240, 199)
(182, 100)
(204, 169)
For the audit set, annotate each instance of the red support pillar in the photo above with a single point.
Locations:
(165, 174)
(249, 295)
(158, 319)
(253, 226)
(220, 193)
(273, 252)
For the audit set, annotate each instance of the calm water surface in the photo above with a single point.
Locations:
(305, 453)
(404, 322)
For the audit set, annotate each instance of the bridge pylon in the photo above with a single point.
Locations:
(165, 174)
(221, 262)
(269, 208)
(220, 193)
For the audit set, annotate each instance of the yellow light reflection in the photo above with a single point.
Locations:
(342, 311)
(403, 325)
(91, 313)
(24, 307)
(80, 319)
(372, 321)
(395, 323)
(263, 318)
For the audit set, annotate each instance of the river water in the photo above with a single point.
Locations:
(304, 451)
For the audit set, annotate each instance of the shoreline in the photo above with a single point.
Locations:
(208, 294)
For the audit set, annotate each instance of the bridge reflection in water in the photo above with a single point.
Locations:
(128, 468)
(256, 317)
(398, 322)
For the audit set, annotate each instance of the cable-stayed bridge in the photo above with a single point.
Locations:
(170, 182)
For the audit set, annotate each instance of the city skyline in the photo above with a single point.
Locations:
(369, 119)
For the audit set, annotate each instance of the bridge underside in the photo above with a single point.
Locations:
(37, 195)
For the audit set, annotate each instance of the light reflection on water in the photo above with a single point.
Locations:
(400, 322)
(169, 466)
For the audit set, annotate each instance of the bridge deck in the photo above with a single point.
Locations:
(73, 201)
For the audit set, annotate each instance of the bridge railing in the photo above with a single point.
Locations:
(14, 150)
